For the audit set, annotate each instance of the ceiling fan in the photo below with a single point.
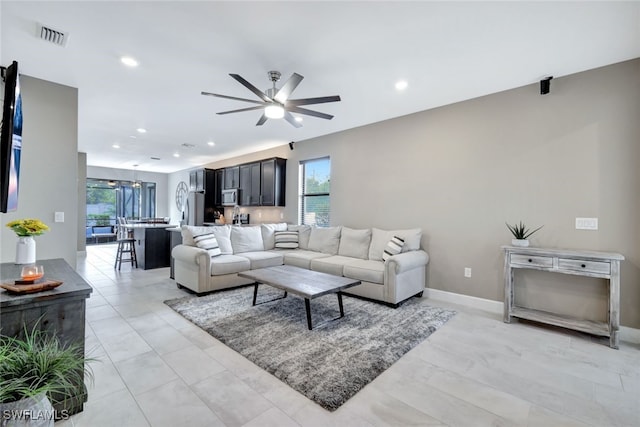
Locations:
(275, 102)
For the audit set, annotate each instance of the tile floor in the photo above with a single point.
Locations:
(157, 369)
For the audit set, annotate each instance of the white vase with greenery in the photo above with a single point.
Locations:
(521, 234)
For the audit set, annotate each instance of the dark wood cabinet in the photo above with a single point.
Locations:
(201, 179)
(272, 185)
(232, 177)
(218, 185)
(250, 184)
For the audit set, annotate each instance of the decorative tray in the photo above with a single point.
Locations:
(27, 287)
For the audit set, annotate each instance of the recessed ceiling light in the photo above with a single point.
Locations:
(401, 85)
(176, 154)
(298, 119)
(129, 61)
(115, 146)
(141, 130)
(211, 143)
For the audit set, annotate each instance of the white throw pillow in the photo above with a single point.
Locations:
(286, 239)
(354, 243)
(223, 236)
(246, 239)
(325, 240)
(268, 234)
(208, 242)
(380, 238)
(304, 232)
(394, 247)
(190, 231)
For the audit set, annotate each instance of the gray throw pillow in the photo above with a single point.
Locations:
(354, 243)
(325, 240)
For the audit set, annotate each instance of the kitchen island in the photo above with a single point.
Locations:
(152, 244)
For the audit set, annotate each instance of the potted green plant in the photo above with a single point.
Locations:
(35, 371)
(521, 234)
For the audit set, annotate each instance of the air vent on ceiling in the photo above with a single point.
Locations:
(155, 158)
(50, 35)
(186, 145)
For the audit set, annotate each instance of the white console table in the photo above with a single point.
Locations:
(605, 265)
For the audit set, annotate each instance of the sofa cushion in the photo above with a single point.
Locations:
(380, 238)
(365, 270)
(263, 259)
(304, 232)
(246, 239)
(229, 264)
(325, 240)
(268, 234)
(330, 265)
(301, 258)
(354, 243)
(190, 231)
(208, 242)
(223, 236)
(286, 239)
(394, 247)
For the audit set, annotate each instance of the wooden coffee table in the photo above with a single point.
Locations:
(305, 283)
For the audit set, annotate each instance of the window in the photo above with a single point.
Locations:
(315, 185)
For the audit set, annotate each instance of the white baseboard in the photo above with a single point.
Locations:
(495, 307)
(627, 334)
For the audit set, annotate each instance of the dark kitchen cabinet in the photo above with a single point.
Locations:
(272, 187)
(200, 180)
(232, 177)
(250, 184)
(218, 185)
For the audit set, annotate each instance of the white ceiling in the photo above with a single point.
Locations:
(447, 51)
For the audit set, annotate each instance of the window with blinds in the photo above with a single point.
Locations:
(315, 186)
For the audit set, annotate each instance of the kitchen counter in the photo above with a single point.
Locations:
(152, 244)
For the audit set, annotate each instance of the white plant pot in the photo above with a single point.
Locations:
(33, 411)
(26, 250)
(523, 243)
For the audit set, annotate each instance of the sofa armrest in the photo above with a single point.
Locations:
(407, 261)
(191, 254)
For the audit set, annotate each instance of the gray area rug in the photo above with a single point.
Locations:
(328, 364)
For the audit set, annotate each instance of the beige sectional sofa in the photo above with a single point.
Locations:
(342, 251)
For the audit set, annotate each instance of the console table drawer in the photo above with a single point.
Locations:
(581, 265)
(538, 261)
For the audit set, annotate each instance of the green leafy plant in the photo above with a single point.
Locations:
(39, 363)
(520, 231)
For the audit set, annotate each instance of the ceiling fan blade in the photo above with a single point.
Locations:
(231, 97)
(263, 119)
(251, 87)
(309, 112)
(241, 110)
(288, 87)
(292, 120)
(309, 101)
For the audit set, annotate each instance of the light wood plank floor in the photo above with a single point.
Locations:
(158, 369)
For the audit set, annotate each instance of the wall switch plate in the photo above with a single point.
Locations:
(467, 272)
(59, 217)
(586, 223)
(281, 215)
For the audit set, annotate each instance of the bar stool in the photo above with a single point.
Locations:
(126, 245)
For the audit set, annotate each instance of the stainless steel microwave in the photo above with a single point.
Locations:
(230, 197)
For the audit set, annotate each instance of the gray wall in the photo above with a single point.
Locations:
(460, 171)
(48, 170)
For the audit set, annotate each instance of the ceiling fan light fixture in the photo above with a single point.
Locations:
(274, 111)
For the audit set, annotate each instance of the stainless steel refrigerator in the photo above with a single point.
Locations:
(194, 211)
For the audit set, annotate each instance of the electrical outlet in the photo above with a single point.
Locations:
(586, 223)
(259, 214)
(281, 215)
(467, 272)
